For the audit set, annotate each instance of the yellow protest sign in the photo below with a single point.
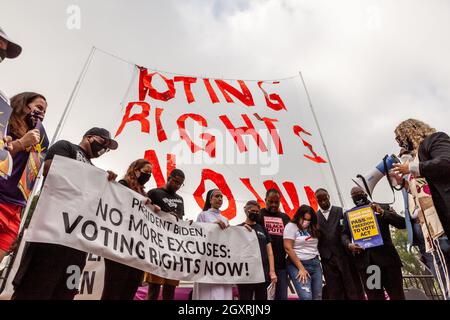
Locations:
(364, 227)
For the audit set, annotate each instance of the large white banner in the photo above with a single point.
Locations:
(241, 136)
(80, 209)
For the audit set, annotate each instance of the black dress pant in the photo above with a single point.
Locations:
(340, 284)
(47, 272)
(391, 281)
(248, 291)
(121, 281)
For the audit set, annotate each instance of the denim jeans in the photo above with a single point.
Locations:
(312, 289)
(281, 289)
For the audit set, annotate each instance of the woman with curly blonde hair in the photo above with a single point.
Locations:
(433, 152)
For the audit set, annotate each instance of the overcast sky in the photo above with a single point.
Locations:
(368, 64)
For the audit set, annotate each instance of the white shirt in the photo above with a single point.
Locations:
(212, 291)
(305, 246)
(326, 213)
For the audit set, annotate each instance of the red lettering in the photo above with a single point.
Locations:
(291, 191)
(171, 163)
(157, 174)
(210, 147)
(212, 94)
(159, 128)
(187, 81)
(141, 117)
(220, 182)
(279, 104)
(273, 132)
(151, 156)
(245, 96)
(237, 133)
(142, 89)
(311, 198)
(316, 158)
(248, 184)
(146, 87)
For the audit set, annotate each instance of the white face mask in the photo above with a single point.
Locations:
(305, 224)
(102, 151)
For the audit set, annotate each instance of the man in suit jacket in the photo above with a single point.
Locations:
(385, 256)
(433, 150)
(342, 281)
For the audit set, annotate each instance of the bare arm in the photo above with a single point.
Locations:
(273, 276)
(289, 248)
(47, 165)
(302, 274)
(29, 139)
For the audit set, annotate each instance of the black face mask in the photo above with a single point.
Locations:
(360, 200)
(143, 178)
(253, 216)
(407, 145)
(32, 118)
(2, 54)
(97, 149)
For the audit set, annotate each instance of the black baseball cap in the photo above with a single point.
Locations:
(101, 132)
(13, 49)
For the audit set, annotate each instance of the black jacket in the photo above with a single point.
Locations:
(330, 233)
(434, 166)
(385, 255)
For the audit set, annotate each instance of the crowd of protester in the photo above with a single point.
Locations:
(312, 249)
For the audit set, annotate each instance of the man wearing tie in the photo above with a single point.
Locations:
(341, 277)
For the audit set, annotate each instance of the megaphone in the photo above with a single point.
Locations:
(370, 180)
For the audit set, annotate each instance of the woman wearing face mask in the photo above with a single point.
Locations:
(27, 109)
(258, 291)
(211, 214)
(122, 281)
(432, 162)
(301, 239)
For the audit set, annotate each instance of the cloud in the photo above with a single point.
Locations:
(368, 64)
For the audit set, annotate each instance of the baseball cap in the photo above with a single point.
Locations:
(101, 132)
(13, 49)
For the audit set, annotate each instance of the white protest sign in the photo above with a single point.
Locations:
(80, 209)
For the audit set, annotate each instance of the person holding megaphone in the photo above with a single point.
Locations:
(433, 154)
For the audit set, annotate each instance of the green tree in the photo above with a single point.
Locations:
(408, 254)
(412, 266)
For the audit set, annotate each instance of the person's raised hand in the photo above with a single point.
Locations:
(7, 143)
(401, 168)
(30, 138)
(355, 248)
(221, 224)
(111, 175)
(377, 208)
